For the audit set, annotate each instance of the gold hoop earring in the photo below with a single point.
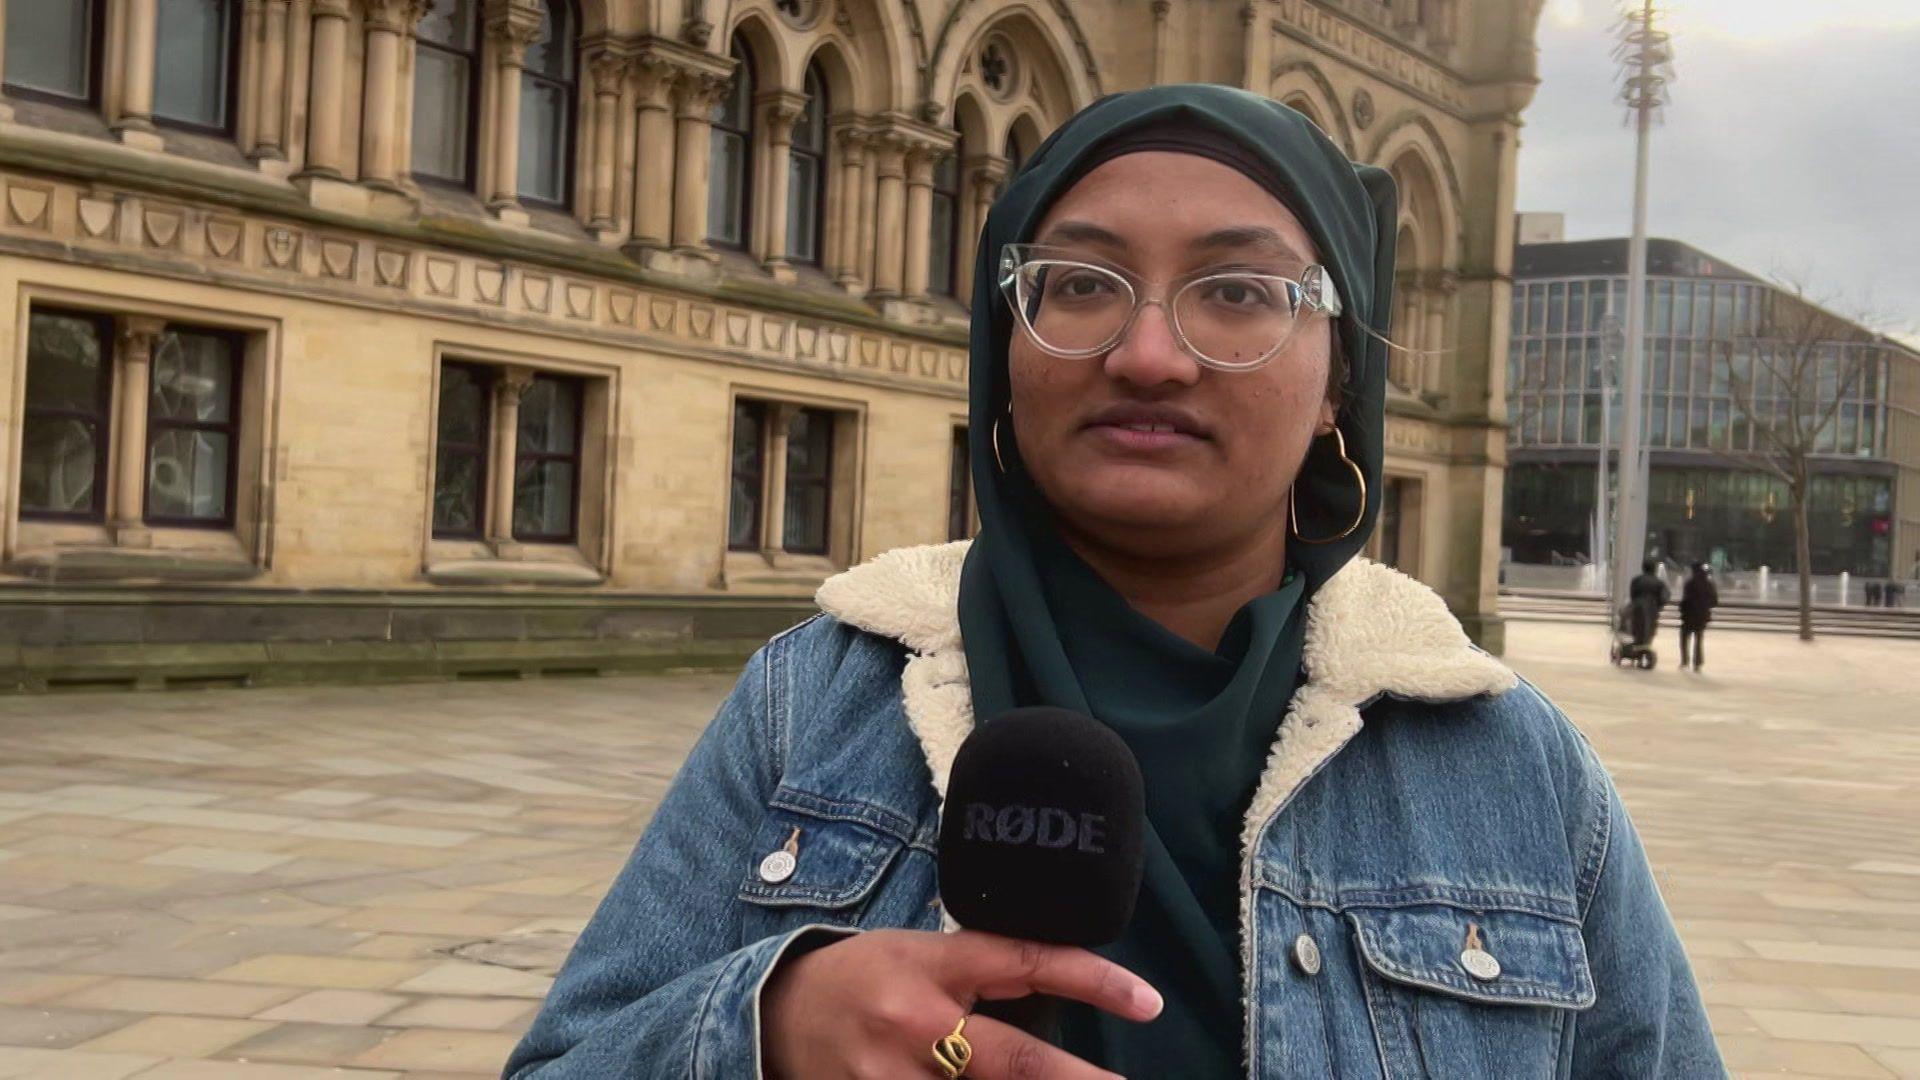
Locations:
(1359, 477)
(993, 434)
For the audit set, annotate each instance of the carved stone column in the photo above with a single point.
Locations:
(653, 183)
(845, 222)
(327, 90)
(510, 386)
(773, 532)
(608, 72)
(984, 175)
(133, 120)
(778, 110)
(695, 95)
(380, 96)
(134, 360)
(269, 86)
(889, 215)
(919, 161)
(511, 27)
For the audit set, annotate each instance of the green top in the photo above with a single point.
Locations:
(1042, 628)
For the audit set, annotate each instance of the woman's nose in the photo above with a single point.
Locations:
(1149, 353)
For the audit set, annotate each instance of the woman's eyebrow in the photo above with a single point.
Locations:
(1248, 236)
(1083, 232)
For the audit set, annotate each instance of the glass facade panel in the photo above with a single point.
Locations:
(749, 466)
(63, 448)
(445, 60)
(1556, 308)
(546, 109)
(547, 461)
(462, 424)
(806, 172)
(190, 426)
(809, 481)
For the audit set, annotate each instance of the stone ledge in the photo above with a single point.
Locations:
(132, 564)
(511, 572)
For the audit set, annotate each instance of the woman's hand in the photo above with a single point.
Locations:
(871, 1006)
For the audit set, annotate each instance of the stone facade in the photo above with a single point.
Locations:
(296, 223)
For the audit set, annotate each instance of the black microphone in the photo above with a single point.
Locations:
(1042, 838)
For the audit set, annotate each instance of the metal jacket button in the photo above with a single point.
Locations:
(1480, 964)
(777, 867)
(1306, 955)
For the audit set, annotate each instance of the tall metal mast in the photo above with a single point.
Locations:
(1645, 56)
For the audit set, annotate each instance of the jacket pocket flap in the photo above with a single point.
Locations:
(1499, 957)
(828, 863)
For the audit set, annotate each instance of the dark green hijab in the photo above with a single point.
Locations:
(1042, 628)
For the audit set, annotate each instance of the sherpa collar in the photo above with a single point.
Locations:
(1371, 631)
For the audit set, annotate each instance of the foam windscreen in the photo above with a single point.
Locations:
(1042, 829)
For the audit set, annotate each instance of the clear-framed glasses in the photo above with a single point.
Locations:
(1074, 306)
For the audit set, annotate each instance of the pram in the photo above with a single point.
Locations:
(1633, 637)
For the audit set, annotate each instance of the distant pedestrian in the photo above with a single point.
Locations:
(1646, 596)
(1698, 598)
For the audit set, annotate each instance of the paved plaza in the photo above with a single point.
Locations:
(374, 883)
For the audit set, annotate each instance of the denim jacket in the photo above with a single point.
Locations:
(1438, 878)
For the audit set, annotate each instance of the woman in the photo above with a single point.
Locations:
(1698, 598)
(1371, 850)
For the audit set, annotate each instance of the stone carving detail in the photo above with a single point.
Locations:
(223, 237)
(773, 334)
(28, 204)
(390, 268)
(1341, 36)
(289, 257)
(536, 291)
(337, 258)
(443, 276)
(490, 281)
(1363, 110)
(660, 314)
(621, 305)
(162, 227)
(97, 216)
(282, 246)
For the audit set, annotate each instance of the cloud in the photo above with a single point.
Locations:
(1796, 150)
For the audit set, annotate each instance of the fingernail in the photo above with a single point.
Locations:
(1147, 1000)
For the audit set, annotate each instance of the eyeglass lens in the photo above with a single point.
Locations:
(1228, 318)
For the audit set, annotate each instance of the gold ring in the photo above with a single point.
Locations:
(953, 1052)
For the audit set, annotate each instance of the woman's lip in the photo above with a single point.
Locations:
(1135, 439)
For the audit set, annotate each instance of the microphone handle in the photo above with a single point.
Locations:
(1036, 1014)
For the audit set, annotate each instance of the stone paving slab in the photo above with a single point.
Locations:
(376, 883)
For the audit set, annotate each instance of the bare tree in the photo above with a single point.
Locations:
(1788, 375)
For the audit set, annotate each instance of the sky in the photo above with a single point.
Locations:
(1790, 147)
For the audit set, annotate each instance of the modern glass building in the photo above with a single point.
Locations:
(1704, 319)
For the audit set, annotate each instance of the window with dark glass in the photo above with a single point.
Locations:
(464, 425)
(730, 168)
(749, 470)
(946, 223)
(809, 481)
(1392, 503)
(195, 45)
(445, 91)
(63, 447)
(959, 489)
(53, 49)
(546, 107)
(192, 402)
(547, 461)
(806, 186)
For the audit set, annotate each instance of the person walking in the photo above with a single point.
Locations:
(1647, 596)
(1698, 598)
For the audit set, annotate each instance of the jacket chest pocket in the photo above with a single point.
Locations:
(809, 867)
(1454, 992)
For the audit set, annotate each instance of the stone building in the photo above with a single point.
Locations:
(357, 338)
